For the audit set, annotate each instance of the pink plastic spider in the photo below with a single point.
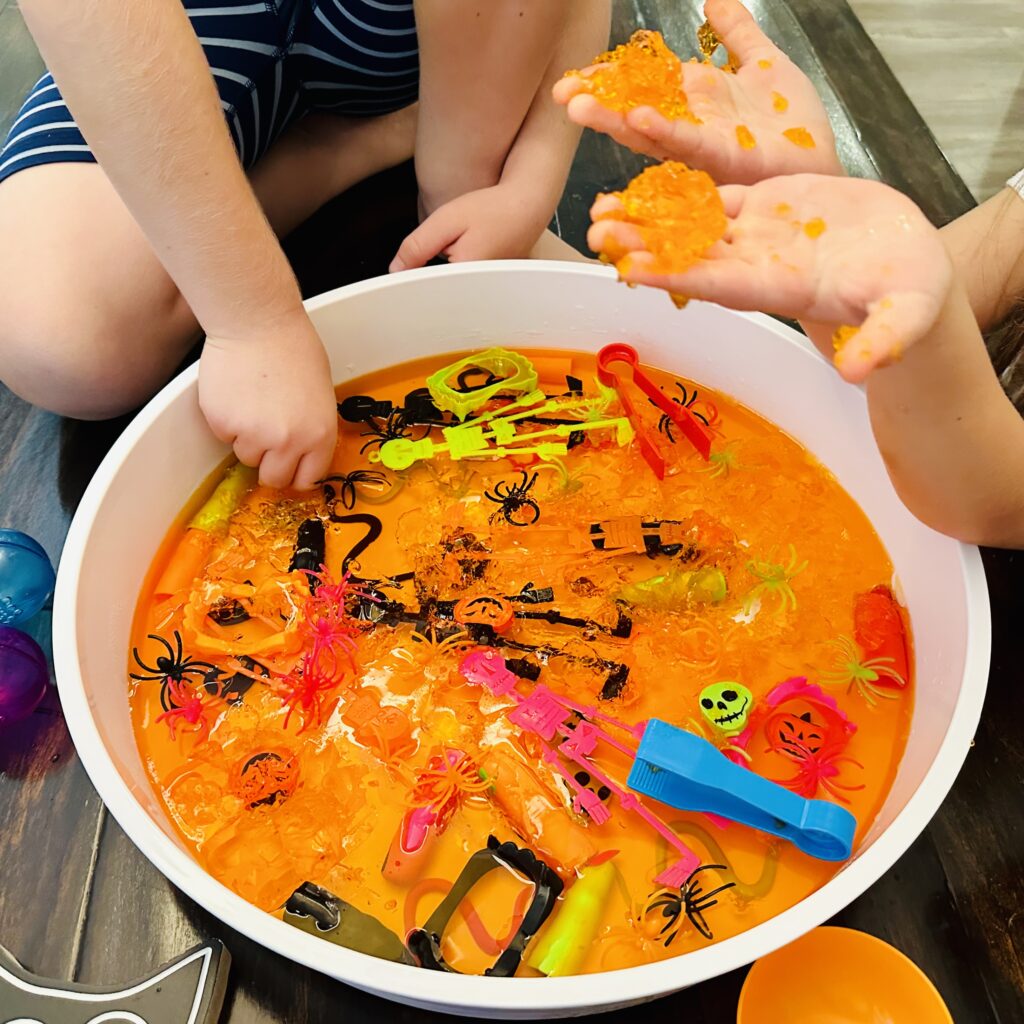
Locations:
(327, 627)
(191, 705)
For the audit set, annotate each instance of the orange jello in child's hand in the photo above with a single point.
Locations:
(641, 73)
(678, 212)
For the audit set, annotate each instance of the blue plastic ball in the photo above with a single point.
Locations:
(26, 577)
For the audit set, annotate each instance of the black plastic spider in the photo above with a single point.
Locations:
(665, 424)
(346, 493)
(174, 666)
(688, 899)
(512, 497)
(394, 426)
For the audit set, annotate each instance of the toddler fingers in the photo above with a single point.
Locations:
(588, 111)
(312, 467)
(432, 237)
(249, 451)
(614, 238)
(892, 325)
(277, 467)
(732, 197)
(727, 281)
(673, 140)
(565, 88)
(736, 27)
(605, 205)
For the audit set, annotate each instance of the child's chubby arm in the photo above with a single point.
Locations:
(838, 252)
(492, 150)
(765, 97)
(136, 79)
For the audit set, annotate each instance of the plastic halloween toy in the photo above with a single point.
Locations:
(314, 909)
(680, 415)
(26, 577)
(23, 675)
(572, 731)
(565, 943)
(188, 990)
(495, 434)
(685, 771)
(506, 372)
(726, 706)
(209, 522)
(425, 943)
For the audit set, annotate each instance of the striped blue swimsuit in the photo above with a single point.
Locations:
(272, 62)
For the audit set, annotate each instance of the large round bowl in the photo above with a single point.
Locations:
(167, 452)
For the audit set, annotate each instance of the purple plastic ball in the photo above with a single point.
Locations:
(24, 675)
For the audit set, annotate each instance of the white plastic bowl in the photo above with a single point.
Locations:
(167, 452)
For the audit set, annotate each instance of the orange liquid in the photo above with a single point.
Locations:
(267, 804)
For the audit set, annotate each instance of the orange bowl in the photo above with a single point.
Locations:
(839, 976)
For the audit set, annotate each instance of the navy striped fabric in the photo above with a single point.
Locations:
(272, 63)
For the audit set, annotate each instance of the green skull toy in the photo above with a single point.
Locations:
(726, 705)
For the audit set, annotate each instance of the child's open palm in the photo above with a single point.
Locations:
(743, 115)
(807, 247)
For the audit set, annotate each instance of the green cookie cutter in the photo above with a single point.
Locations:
(516, 374)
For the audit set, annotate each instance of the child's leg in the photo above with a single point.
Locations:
(91, 324)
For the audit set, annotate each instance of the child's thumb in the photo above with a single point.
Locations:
(430, 239)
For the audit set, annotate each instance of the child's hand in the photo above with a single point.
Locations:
(831, 252)
(270, 397)
(493, 223)
(767, 95)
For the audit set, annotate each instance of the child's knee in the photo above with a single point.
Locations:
(86, 366)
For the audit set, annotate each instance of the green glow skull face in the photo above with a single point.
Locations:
(726, 705)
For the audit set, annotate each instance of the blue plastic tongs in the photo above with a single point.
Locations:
(686, 771)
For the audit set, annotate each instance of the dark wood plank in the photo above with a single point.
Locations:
(50, 816)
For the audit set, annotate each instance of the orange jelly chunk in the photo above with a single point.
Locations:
(679, 214)
(800, 137)
(641, 73)
(814, 228)
(745, 137)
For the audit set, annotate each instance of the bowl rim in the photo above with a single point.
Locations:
(509, 997)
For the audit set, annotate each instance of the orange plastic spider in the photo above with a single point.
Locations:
(428, 648)
(444, 783)
(817, 752)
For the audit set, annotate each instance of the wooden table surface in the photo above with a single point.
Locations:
(78, 901)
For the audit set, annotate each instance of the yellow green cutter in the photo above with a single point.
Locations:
(515, 374)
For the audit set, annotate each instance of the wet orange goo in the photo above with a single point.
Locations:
(327, 750)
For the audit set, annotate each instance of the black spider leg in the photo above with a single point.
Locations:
(155, 668)
(696, 903)
(174, 665)
(346, 494)
(687, 403)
